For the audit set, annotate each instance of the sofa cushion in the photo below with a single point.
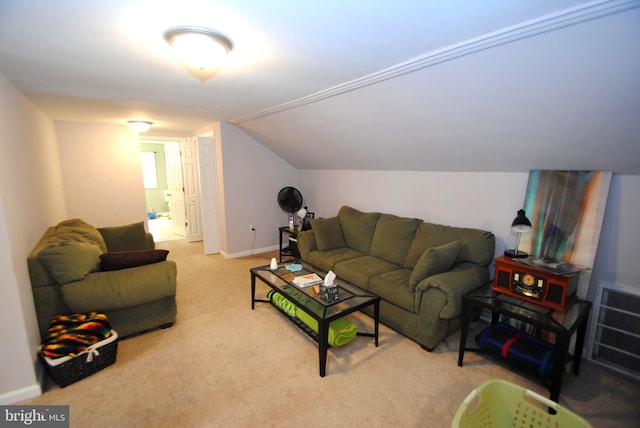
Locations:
(394, 288)
(128, 259)
(125, 238)
(120, 289)
(69, 261)
(328, 259)
(476, 246)
(328, 233)
(359, 270)
(393, 236)
(357, 228)
(433, 261)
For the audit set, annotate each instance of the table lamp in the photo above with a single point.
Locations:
(520, 225)
(303, 215)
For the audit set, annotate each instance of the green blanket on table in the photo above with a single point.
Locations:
(280, 301)
(341, 331)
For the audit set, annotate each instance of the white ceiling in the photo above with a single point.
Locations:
(352, 84)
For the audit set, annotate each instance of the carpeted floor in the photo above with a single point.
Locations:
(222, 364)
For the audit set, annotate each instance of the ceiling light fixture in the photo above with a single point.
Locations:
(197, 47)
(140, 125)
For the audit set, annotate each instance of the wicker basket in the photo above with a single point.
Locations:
(498, 403)
(67, 370)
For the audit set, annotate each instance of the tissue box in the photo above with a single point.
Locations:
(329, 294)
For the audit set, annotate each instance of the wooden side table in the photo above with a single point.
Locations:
(556, 327)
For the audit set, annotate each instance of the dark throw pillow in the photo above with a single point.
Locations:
(128, 259)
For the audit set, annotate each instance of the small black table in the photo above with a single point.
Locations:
(561, 324)
(292, 234)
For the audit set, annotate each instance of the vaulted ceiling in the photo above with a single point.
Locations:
(455, 85)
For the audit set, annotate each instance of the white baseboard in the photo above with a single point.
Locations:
(26, 393)
(250, 253)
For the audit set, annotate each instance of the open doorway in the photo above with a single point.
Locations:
(164, 189)
(185, 189)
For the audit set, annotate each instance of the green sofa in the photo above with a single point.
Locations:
(77, 268)
(420, 270)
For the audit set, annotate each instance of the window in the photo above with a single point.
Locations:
(149, 175)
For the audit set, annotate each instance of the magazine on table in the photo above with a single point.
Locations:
(307, 280)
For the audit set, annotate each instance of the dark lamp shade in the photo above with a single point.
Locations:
(521, 223)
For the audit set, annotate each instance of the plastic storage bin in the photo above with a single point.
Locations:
(498, 403)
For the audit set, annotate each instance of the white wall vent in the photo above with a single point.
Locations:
(614, 335)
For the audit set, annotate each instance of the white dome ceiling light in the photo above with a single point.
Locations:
(200, 50)
(140, 125)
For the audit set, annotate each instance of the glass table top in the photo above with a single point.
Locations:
(349, 296)
(543, 317)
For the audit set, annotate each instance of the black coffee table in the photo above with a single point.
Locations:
(350, 299)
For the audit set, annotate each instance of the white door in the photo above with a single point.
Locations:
(209, 194)
(175, 189)
(192, 190)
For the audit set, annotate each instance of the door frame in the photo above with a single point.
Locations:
(210, 231)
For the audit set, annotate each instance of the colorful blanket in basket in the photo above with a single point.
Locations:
(69, 335)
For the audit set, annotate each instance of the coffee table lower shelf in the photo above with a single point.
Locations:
(359, 299)
(298, 323)
(305, 328)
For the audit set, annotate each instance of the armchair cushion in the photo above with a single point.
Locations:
(128, 259)
(69, 261)
(433, 261)
(78, 230)
(125, 238)
(121, 289)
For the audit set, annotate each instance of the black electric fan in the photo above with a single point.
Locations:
(290, 199)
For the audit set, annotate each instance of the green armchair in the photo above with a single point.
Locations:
(77, 268)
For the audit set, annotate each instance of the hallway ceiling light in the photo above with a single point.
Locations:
(140, 125)
(197, 47)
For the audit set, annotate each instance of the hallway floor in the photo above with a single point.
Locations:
(160, 228)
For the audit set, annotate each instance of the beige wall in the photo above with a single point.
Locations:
(252, 176)
(101, 173)
(50, 172)
(31, 199)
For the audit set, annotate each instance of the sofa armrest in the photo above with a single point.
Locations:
(460, 280)
(306, 243)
